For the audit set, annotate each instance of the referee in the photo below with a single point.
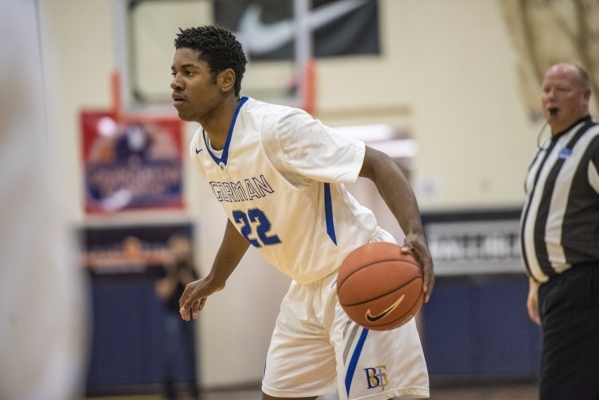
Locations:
(560, 238)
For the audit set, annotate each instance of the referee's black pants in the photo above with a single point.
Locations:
(569, 310)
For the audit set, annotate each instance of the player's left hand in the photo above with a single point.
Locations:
(194, 297)
(417, 247)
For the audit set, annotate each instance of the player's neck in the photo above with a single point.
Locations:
(218, 123)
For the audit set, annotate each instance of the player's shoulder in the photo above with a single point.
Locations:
(276, 121)
(274, 112)
(197, 135)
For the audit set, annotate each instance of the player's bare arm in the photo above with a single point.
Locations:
(230, 252)
(397, 193)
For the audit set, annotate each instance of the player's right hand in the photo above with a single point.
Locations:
(417, 247)
(194, 297)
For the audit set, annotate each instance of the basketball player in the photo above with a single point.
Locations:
(279, 175)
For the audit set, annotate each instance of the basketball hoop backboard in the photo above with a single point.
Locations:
(144, 35)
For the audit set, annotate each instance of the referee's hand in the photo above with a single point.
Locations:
(532, 303)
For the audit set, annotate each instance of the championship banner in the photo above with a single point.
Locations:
(131, 166)
(266, 28)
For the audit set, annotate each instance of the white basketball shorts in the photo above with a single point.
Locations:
(316, 348)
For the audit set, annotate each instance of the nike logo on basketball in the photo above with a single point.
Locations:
(198, 151)
(374, 318)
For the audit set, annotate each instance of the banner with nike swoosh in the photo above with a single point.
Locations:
(266, 27)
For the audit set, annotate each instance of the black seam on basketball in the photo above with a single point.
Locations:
(376, 262)
(382, 295)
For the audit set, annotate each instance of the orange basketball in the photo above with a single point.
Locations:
(379, 287)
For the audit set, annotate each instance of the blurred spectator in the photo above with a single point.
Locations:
(179, 348)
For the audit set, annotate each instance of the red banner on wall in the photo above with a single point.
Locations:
(133, 165)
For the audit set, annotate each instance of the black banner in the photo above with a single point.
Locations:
(266, 28)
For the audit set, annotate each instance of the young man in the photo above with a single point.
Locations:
(560, 232)
(279, 175)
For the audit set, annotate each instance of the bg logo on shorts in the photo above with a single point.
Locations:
(376, 377)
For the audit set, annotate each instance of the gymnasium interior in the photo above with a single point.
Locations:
(449, 89)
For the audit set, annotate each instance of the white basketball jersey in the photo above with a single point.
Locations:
(305, 228)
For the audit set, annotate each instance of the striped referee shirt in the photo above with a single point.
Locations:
(560, 220)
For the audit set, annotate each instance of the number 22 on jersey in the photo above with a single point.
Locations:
(255, 218)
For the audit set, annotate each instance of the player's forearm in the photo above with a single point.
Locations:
(395, 190)
(399, 197)
(230, 253)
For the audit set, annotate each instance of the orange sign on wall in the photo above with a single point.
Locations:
(131, 165)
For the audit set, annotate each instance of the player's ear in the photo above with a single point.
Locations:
(226, 79)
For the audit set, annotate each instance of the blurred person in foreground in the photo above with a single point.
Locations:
(560, 238)
(279, 174)
(179, 336)
(42, 296)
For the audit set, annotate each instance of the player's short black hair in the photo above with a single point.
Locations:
(218, 47)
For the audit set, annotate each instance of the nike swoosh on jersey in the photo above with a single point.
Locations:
(198, 151)
(260, 38)
(374, 318)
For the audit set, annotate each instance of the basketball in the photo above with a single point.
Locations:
(379, 287)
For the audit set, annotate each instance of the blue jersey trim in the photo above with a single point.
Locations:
(328, 212)
(225, 156)
(351, 368)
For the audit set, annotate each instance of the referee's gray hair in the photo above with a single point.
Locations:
(584, 77)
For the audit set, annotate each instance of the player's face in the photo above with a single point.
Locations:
(195, 92)
(565, 96)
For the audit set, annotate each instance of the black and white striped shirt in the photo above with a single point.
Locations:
(560, 220)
